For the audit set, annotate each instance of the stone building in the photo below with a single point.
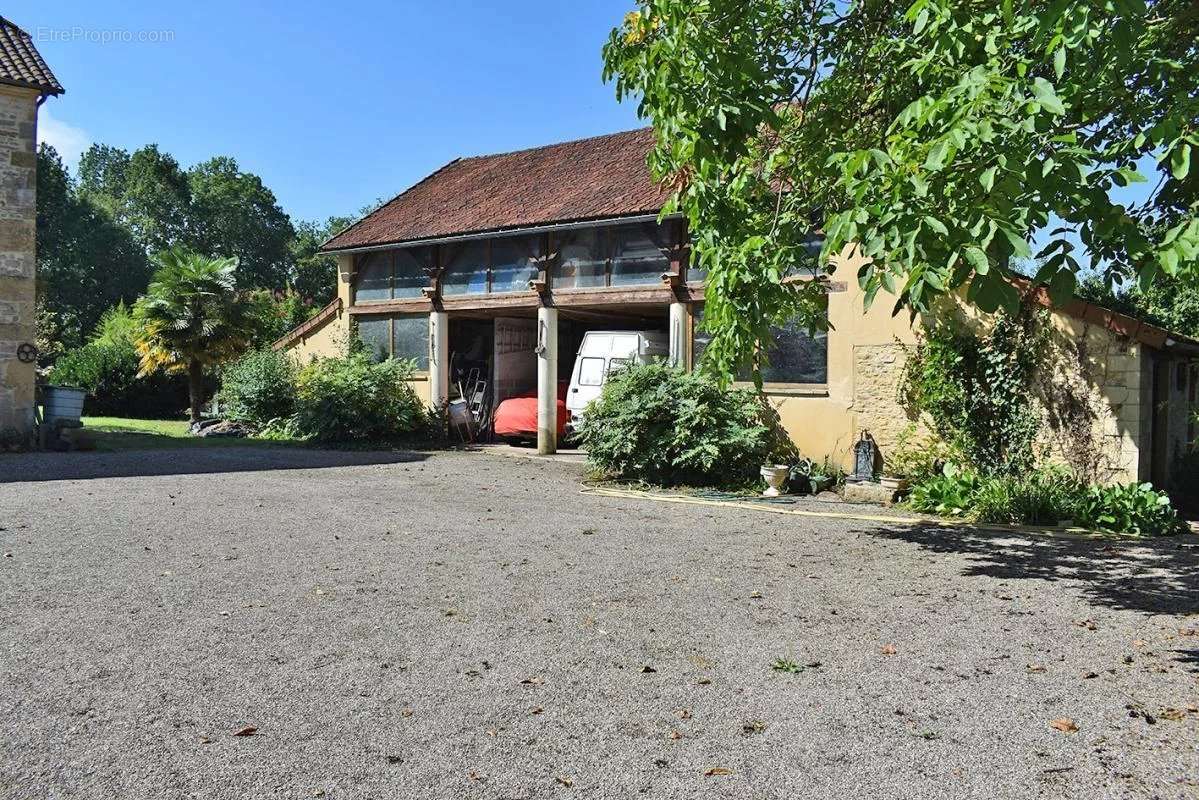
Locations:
(25, 83)
(559, 240)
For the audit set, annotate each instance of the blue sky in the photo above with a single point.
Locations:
(334, 105)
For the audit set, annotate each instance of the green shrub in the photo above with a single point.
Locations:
(108, 371)
(1046, 497)
(259, 386)
(1135, 508)
(949, 492)
(1042, 497)
(350, 398)
(665, 426)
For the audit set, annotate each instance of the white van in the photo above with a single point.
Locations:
(599, 354)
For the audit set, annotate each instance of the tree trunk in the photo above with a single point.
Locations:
(195, 388)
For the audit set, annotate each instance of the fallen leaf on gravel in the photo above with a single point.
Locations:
(888, 650)
(407, 712)
(395, 759)
(567, 782)
(249, 730)
(476, 776)
(755, 595)
(648, 668)
(684, 713)
(1194, 709)
(674, 735)
(703, 681)
(717, 771)
(1188, 632)
(1089, 675)
(753, 727)
(1173, 714)
(1036, 667)
(659, 762)
(1139, 643)
(1089, 624)
(205, 740)
(533, 681)
(537, 710)
(1065, 725)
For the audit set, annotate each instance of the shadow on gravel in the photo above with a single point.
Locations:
(1157, 576)
(20, 468)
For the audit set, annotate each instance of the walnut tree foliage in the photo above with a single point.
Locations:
(939, 136)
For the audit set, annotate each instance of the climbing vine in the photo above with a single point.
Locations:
(978, 388)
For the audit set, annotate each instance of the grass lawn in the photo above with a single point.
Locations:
(118, 433)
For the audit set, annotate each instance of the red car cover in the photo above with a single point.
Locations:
(516, 417)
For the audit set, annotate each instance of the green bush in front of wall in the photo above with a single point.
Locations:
(351, 398)
(1135, 508)
(1046, 496)
(661, 425)
(108, 369)
(259, 387)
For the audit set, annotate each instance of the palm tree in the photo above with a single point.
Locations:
(191, 317)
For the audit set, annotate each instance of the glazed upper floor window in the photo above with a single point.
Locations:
(393, 274)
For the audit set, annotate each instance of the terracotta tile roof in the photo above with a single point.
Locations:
(20, 62)
(597, 178)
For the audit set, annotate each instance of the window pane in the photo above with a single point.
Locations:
(808, 265)
(615, 364)
(797, 356)
(411, 264)
(591, 372)
(411, 339)
(581, 260)
(639, 254)
(374, 278)
(465, 269)
(375, 334)
(514, 262)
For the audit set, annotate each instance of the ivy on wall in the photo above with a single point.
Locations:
(978, 388)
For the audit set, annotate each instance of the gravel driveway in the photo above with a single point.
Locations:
(471, 626)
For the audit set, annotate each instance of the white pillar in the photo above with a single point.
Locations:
(678, 334)
(439, 358)
(547, 381)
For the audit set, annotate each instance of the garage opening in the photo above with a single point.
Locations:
(493, 365)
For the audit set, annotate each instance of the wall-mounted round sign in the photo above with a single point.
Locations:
(26, 353)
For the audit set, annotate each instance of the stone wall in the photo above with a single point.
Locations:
(18, 214)
(877, 374)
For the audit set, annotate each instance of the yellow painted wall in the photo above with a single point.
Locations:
(867, 352)
(865, 360)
